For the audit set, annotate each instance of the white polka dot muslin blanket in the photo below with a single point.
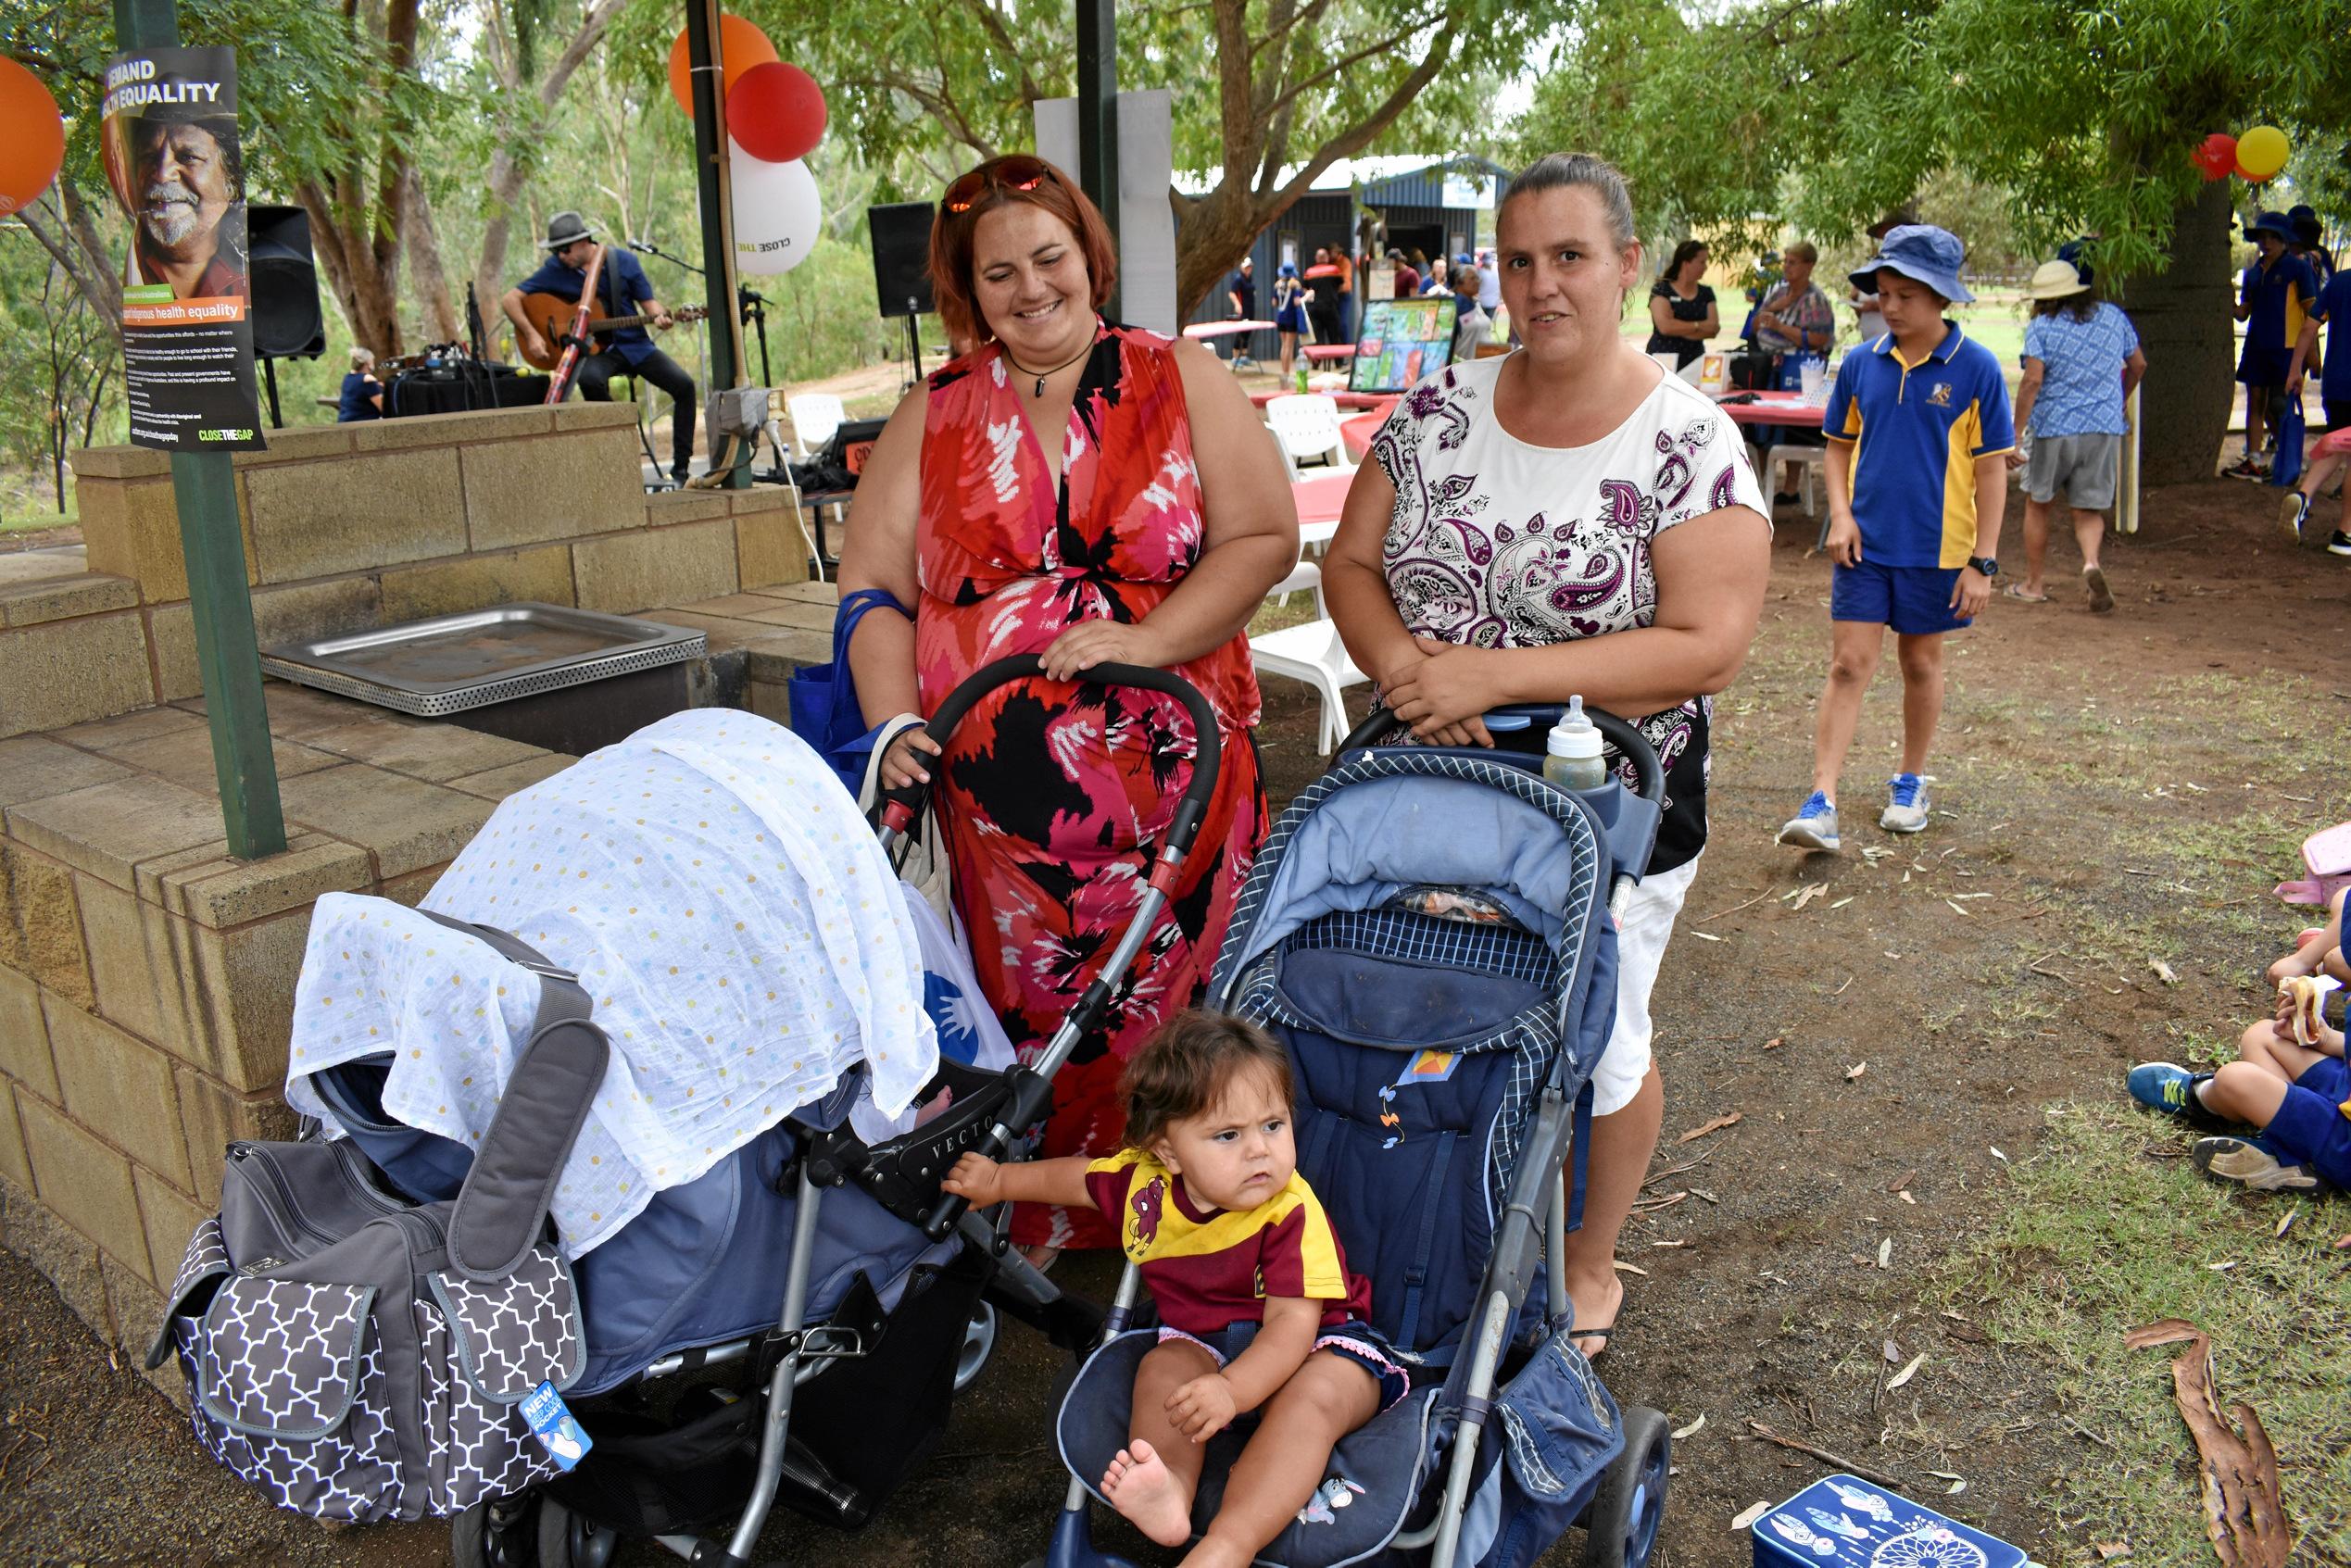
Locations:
(724, 905)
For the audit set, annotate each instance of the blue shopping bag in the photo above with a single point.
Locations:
(2285, 468)
(824, 696)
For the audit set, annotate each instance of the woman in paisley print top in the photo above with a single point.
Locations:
(1566, 520)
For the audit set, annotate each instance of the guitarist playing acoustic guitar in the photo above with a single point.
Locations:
(624, 292)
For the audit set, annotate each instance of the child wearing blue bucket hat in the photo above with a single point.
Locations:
(1918, 429)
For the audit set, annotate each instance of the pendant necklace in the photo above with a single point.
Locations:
(1056, 370)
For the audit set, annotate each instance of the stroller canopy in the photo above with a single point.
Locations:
(739, 929)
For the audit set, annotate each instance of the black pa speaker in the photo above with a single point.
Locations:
(286, 322)
(901, 257)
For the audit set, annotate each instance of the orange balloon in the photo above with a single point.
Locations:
(35, 146)
(741, 45)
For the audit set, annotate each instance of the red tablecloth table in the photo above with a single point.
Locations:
(1224, 328)
(1344, 399)
(1356, 434)
(1319, 351)
(1787, 409)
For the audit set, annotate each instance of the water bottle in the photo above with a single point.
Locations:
(1572, 760)
(1302, 376)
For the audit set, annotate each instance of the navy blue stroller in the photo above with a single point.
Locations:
(1428, 932)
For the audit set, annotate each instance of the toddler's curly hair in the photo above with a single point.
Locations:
(1184, 1069)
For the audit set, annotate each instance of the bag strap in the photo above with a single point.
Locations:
(501, 1209)
(853, 610)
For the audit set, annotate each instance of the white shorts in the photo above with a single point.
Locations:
(1648, 926)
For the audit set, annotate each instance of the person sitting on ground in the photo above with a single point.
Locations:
(1257, 1309)
(1681, 308)
(362, 397)
(2081, 360)
(2273, 297)
(2289, 1086)
(1919, 437)
(2333, 308)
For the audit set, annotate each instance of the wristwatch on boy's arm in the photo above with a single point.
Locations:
(1988, 564)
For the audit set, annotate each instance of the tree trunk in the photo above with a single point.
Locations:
(507, 170)
(443, 323)
(2183, 316)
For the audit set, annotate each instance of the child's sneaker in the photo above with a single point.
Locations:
(2293, 510)
(1906, 808)
(2244, 467)
(1814, 827)
(2339, 543)
(2162, 1085)
(2251, 1163)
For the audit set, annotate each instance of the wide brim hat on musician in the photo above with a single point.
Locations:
(566, 228)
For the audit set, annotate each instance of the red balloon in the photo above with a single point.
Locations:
(35, 144)
(776, 112)
(2216, 157)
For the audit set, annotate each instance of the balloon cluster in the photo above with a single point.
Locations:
(774, 118)
(34, 146)
(2255, 157)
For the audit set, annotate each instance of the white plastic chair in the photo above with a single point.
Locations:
(1814, 459)
(815, 416)
(1312, 653)
(1307, 426)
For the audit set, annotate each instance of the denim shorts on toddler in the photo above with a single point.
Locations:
(1913, 600)
(1355, 1339)
(2310, 1128)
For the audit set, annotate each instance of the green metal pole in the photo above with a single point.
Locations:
(705, 61)
(204, 485)
(1098, 114)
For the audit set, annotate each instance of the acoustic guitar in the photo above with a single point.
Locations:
(552, 314)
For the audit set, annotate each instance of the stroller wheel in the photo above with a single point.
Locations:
(1621, 1526)
(566, 1540)
(495, 1533)
(980, 1343)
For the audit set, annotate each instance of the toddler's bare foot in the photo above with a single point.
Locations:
(2309, 948)
(1139, 1486)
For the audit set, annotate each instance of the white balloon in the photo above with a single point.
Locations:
(778, 213)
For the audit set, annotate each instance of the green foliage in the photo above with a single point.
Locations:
(1834, 114)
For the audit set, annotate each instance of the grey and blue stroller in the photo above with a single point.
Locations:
(1428, 932)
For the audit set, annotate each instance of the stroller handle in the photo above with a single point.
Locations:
(902, 806)
(1623, 736)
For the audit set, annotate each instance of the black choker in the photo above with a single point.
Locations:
(1054, 372)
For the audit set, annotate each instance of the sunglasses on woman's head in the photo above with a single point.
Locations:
(1008, 173)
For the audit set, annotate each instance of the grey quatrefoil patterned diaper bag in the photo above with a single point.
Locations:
(360, 1357)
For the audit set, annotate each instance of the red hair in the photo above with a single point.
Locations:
(950, 264)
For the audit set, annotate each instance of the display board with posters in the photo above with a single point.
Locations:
(1403, 340)
(173, 157)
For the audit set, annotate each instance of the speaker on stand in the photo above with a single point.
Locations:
(286, 320)
(901, 234)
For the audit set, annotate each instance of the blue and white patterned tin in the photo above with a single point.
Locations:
(1844, 1522)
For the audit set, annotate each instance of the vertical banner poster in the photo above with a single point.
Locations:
(169, 137)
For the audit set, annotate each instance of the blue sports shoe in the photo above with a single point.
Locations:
(1906, 804)
(1814, 827)
(2170, 1088)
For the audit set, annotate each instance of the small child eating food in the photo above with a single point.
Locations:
(1259, 1312)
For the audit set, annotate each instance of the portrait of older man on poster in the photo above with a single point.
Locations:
(183, 186)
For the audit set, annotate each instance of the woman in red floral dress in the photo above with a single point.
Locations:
(1108, 542)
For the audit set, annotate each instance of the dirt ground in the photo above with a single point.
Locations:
(1906, 1030)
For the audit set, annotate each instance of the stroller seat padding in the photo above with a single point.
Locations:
(1376, 1000)
(1375, 1476)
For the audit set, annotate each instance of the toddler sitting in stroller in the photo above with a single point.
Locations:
(2290, 1081)
(1258, 1310)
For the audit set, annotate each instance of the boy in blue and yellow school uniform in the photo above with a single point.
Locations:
(2274, 296)
(1918, 429)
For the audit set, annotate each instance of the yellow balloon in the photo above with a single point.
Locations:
(2261, 152)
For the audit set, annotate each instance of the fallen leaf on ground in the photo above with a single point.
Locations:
(1625, 1268)
(1808, 894)
(1844, 901)
(1901, 1181)
(2287, 1224)
(1684, 1242)
(1957, 907)
(1749, 1515)
(1892, 1351)
(1775, 1042)
(2108, 1550)
(1885, 1252)
(2222, 1268)
(1942, 1474)
(1957, 1487)
(2163, 972)
(1906, 1374)
(1996, 1154)
(1682, 1432)
(1907, 1199)
(1702, 1192)
(1730, 1119)
(1855, 1071)
(1705, 936)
